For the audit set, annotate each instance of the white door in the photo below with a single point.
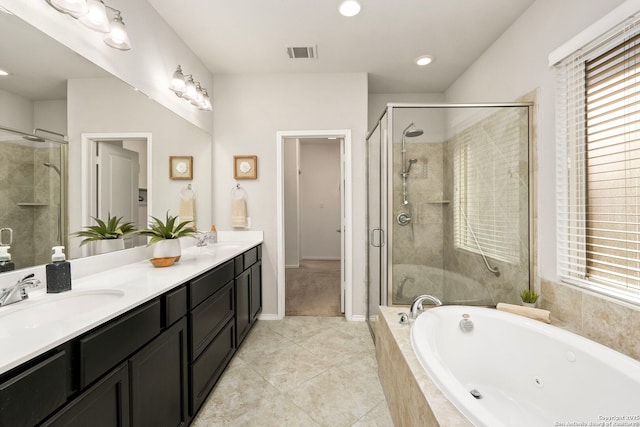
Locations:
(117, 184)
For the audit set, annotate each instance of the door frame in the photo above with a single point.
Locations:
(88, 146)
(347, 264)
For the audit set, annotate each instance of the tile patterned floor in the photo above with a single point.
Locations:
(300, 371)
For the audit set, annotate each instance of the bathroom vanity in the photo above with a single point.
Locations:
(149, 355)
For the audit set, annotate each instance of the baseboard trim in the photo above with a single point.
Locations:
(268, 317)
(358, 318)
(319, 258)
(292, 266)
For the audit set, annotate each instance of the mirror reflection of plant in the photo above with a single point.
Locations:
(169, 229)
(112, 228)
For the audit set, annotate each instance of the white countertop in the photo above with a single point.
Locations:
(44, 321)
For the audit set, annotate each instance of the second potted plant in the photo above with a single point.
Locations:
(106, 236)
(164, 236)
(529, 298)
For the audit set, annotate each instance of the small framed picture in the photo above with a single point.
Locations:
(245, 167)
(181, 167)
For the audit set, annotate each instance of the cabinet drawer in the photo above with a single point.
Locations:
(250, 257)
(30, 396)
(109, 345)
(239, 264)
(175, 306)
(206, 320)
(204, 373)
(207, 284)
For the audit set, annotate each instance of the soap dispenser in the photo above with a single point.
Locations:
(58, 272)
(5, 259)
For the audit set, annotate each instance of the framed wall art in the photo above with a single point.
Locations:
(245, 167)
(181, 167)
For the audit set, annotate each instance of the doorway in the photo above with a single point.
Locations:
(116, 179)
(313, 216)
(295, 247)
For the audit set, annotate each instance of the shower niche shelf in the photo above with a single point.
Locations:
(33, 204)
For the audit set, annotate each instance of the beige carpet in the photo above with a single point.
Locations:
(313, 289)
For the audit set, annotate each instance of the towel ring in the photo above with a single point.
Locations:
(238, 193)
(187, 192)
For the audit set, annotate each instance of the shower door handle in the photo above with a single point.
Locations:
(380, 237)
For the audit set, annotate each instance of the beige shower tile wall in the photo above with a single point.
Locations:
(25, 180)
(417, 248)
(608, 322)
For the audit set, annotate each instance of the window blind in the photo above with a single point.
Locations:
(598, 133)
(487, 186)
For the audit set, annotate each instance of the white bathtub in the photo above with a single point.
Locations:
(528, 373)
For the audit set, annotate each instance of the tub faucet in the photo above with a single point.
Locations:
(416, 306)
(17, 292)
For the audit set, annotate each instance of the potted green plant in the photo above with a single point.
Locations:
(165, 234)
(107, 236)
(529, 298)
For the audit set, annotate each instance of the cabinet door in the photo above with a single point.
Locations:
(243, 308)
(256, 290)
(158, 376)
(105, 404)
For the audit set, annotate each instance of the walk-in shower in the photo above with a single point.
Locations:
(448, 204)
(32, 172)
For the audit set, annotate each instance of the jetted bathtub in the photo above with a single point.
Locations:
(501, 369)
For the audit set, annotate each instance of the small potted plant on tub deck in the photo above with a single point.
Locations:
(164, 236)
(106, 236)
(529, 298)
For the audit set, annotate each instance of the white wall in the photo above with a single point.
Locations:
(16, 112)
(320, 199)
(109, 105)
(249, 110)
(50, 115)
(291, 202)
(516, 65)
(148, 66)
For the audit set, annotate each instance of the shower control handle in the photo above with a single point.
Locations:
(403, 218)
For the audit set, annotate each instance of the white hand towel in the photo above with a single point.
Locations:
(238, 212)
(187, 211)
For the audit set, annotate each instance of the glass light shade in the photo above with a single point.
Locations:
(75, 7)
(96, 18)
(198, 99)
(349, 8)
(178, 84)
(118, 37)
(190, 92)
(206, 105)
(424, 60)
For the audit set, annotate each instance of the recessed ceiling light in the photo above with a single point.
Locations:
(424, 60)
(4, 73)
(349, 8)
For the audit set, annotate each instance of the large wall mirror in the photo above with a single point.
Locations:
(46, 185)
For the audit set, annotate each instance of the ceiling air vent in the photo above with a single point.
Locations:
(304, 52)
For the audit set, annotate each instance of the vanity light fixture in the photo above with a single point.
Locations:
(3, 73)
(424, 60)
(93, 14)
(184, 87)
(349, 8)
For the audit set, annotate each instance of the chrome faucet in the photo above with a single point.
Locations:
(416, 306)
(17, 292)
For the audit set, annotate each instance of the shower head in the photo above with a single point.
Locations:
(33, 138)
(52, 166)
(413, 132)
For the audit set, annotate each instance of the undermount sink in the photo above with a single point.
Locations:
(54, 307)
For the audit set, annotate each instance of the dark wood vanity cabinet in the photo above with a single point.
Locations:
(152, 366)
(248, 284)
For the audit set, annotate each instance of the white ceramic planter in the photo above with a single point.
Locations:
(167, 248)
(107, 245)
